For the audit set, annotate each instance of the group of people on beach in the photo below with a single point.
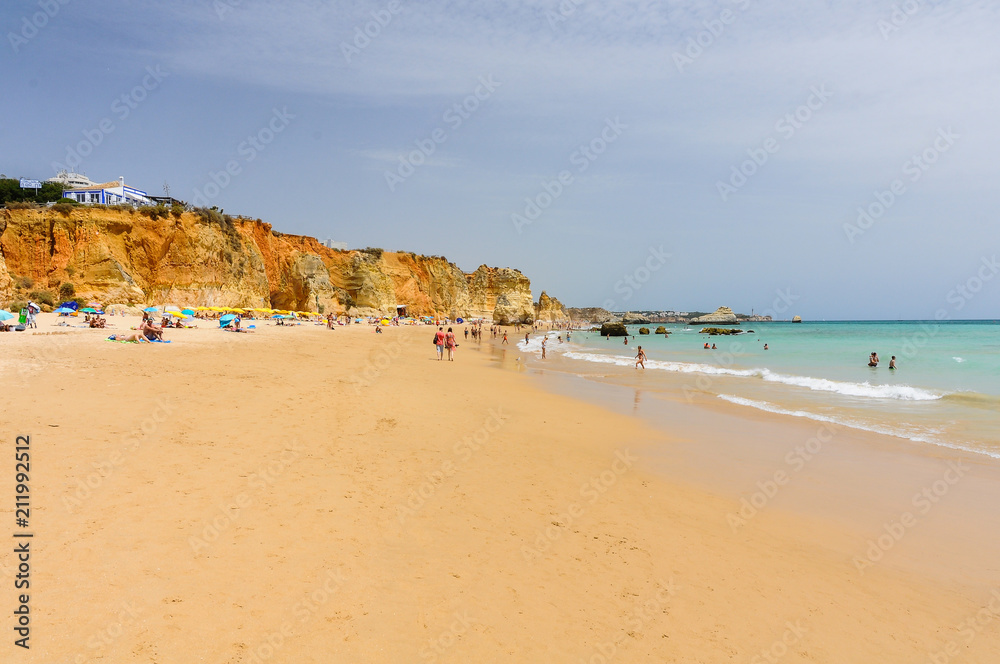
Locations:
(873, 361)
(148, 332)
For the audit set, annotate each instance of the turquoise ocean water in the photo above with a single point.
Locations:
(945, 392)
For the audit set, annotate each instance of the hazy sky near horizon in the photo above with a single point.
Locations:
(632, 154)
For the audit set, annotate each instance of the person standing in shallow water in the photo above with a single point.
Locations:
(449, 341)
(504, 340)
(640, 358)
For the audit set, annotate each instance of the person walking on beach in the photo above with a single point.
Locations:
(526, 338)
(466, 334)
(439, 342)
(449, 341)
(543, 348)
(504, 340)
(33, 309)
(640, 359)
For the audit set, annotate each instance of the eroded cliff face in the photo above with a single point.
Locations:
(6, 283)
(550, 309)
(502, 294)
(123, 256)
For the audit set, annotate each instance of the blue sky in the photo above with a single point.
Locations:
(636, 154)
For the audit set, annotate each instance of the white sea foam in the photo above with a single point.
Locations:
(918, 437)
(865, 390)
(959, 359)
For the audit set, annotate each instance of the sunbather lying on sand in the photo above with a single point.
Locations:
(134, 336)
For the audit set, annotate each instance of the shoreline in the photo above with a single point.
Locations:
(367, 502)
(854, 479)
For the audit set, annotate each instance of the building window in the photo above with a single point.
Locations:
(95, 198)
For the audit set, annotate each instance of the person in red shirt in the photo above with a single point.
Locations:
(439, 342)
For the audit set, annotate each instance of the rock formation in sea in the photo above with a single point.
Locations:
(721, 316)
(206, 258)
(590, 314)
(719, 330)
(614, 330)
(629, 318)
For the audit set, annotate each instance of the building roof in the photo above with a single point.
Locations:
(106, 185)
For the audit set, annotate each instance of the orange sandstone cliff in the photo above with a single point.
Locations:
(114, 255)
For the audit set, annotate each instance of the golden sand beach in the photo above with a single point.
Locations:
(304, 495)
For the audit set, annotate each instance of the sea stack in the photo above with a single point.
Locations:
(796, 319)
(614, 330)
(721, 316)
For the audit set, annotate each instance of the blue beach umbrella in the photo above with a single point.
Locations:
(187, 312)
(150, 310)
(63, 310)
(5, 315)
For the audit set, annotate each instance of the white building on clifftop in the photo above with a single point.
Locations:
(109, 193)
(72, 180)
